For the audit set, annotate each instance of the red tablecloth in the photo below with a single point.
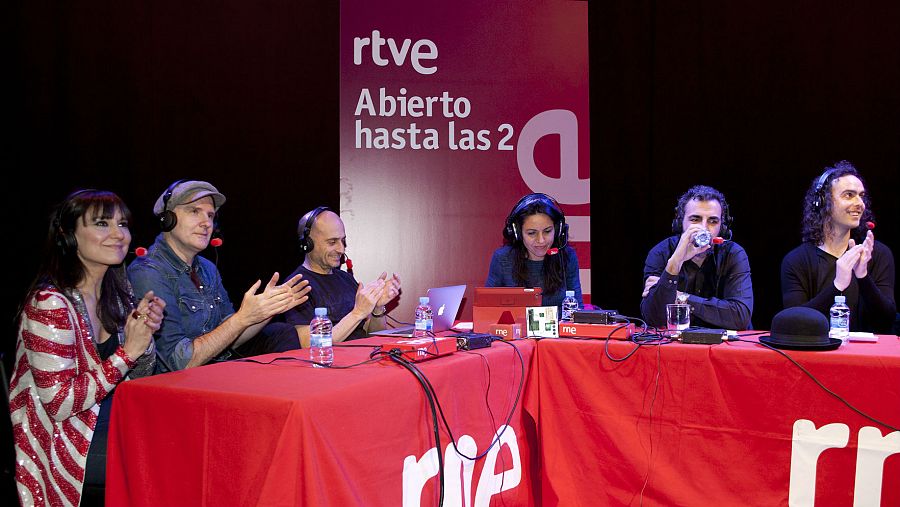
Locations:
(698, 425)
(239, 433)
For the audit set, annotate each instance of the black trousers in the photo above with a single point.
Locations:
(94, 490)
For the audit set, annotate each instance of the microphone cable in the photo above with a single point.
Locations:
(644, 338)
(509, 417)
(308, 361)
(650, 421)
(821, 385)
(438, 411)
(389, 317)
(395, 356)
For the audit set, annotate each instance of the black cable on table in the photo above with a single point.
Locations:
(820, 384)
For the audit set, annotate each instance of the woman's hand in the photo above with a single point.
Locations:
(141, 324)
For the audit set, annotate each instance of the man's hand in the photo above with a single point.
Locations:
(274, 299)
(299, 288)
(391, 289)
(651, 281)
(366, 297)
(846, 264)
(861, 269)
(685, 250)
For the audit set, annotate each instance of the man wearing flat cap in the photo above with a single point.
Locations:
(200, 323)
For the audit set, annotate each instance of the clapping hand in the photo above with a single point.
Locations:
(391, 289)
(145, 320)
(367, 296)
(861, 269)
(274, 299)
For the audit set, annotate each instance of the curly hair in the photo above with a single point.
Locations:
(700, 193)
(817, 205)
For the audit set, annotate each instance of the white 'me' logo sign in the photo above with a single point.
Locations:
(458, 472)
(808, 443)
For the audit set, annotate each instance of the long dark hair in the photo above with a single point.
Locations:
(817, 205)
(61, 267)
(553, 268)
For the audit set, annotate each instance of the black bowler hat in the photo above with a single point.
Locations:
(800, 328)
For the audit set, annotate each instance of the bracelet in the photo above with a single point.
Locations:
(382, 314)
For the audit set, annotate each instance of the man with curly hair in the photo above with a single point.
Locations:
(839, 254)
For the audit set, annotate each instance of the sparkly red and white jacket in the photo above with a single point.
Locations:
(54, 397)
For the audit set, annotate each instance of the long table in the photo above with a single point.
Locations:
(285, 433)
(730, 424)
(676, 425)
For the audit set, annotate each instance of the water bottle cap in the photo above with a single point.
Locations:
(570, 293)
(840, 299)
(321, 312)
(424, 300)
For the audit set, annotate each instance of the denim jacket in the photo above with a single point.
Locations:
(191, 311)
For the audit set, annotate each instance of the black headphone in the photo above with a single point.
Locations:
(561, 229)
(305, 224)
(727, 220)
(65, 240)
(167, 217)
(819, 197)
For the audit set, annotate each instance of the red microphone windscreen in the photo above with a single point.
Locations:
(216, 242)
(553, 251)
(349, 263)
(140, 251)
(718, 240)
(870, 225)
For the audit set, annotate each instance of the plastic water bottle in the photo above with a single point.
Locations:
(701, 238)
(320, 349)
(424, 323)
(840, 319)
(569, 305)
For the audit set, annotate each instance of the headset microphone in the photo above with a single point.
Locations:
(346, 260)
(718, 240)
(216, 242)
(870, 225)
(553, 251)
(140, 251)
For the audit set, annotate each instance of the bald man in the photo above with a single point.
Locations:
(354, 308)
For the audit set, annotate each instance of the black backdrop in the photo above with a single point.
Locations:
(753, 99)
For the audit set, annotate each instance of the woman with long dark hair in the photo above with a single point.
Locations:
(536, 251)
(839, 254)
(80, 334)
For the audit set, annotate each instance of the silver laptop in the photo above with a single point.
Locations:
(444, 303)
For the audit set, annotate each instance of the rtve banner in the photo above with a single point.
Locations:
(450, 112)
